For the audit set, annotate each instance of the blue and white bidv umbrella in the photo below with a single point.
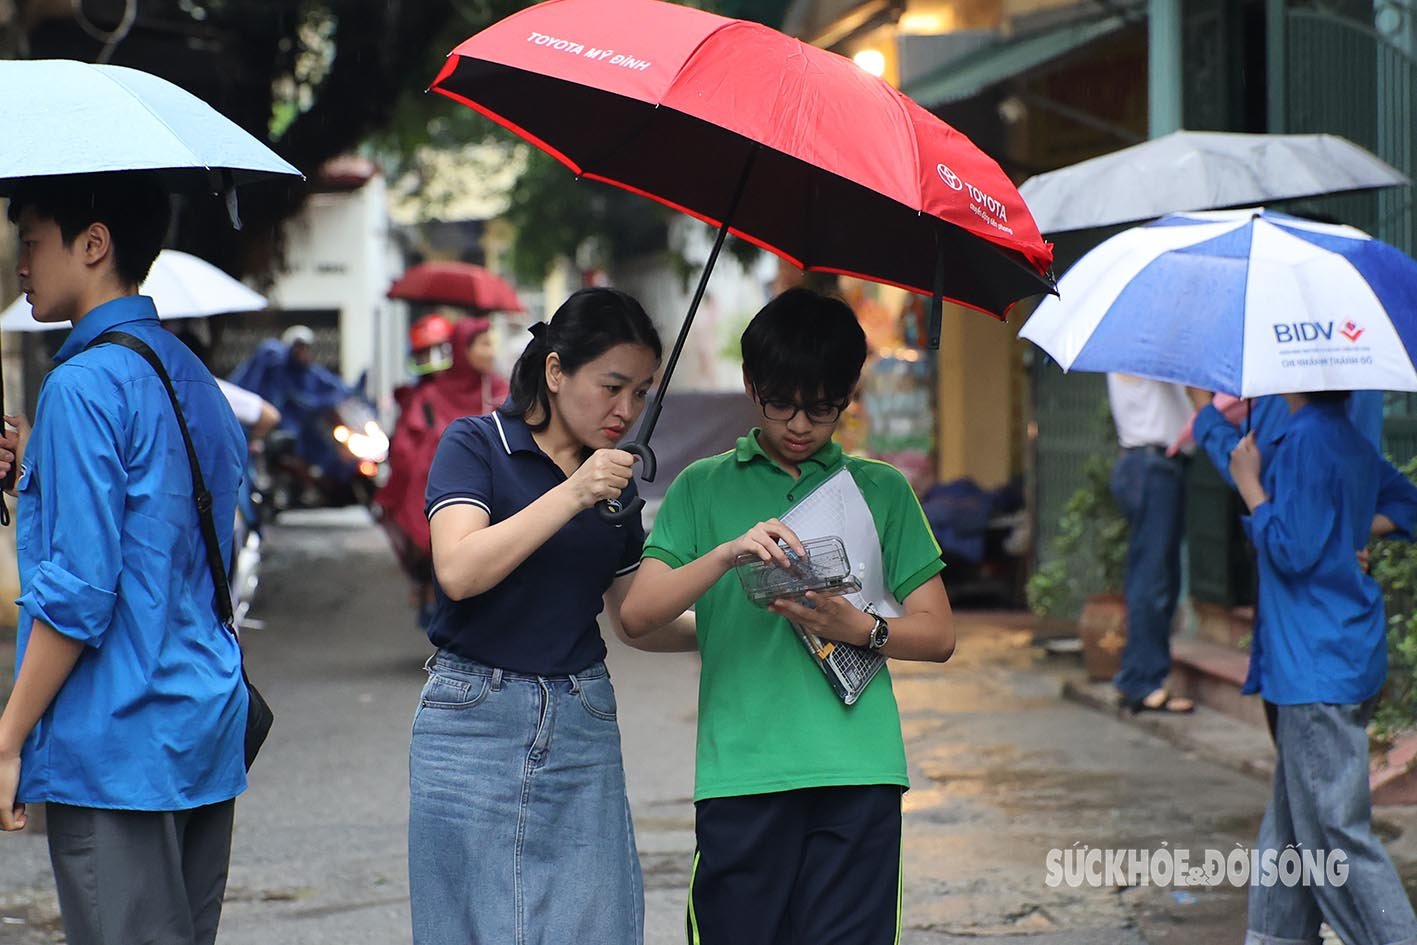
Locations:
(1247, 302)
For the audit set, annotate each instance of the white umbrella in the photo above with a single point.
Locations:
(181, 286)
(1200, 170)
(1247, 302)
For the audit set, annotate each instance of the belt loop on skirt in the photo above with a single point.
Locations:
(575, 684)
(497, 680)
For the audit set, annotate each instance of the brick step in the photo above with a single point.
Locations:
(1213, 675)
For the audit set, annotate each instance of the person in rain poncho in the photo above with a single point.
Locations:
(467, 387)
(285, 374)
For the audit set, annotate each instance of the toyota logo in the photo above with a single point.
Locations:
(950, 178)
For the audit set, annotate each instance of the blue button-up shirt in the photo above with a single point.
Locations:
(1320, 627)
(110, 554)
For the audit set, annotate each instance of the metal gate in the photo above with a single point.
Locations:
(1350, 68)
(1342, 67)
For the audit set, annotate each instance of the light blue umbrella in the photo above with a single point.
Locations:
(1248, 302)
(62, 116)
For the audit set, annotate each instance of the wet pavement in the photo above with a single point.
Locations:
(1003, 771)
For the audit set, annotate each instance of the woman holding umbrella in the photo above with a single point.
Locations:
(519, 827)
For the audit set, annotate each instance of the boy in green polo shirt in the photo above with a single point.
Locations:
(797, 795)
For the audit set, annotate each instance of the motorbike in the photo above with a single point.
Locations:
(244, 575)
(350, 466)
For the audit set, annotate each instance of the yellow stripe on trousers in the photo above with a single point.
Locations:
(900, 882)
(693, 919)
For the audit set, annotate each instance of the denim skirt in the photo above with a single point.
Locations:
(519, 829)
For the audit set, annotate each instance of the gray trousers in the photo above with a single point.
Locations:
(140, 878)
(1321, 803)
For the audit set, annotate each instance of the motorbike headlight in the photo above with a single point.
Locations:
(370, 446)
(341, 433)
(376, 435)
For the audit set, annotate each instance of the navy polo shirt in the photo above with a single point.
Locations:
(542, 617)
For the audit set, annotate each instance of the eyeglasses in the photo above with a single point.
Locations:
(785, 411)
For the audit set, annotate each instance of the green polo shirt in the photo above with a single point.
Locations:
(768, 719)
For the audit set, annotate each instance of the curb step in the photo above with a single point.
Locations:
(1245, 747)
(1206, 732)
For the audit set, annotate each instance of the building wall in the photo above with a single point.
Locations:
(341, 255)
(976, 403)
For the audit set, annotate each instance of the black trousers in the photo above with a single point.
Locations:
(818, 866)
(127, 877)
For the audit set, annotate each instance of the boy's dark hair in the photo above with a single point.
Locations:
(804, 345)
(588, 324)
(1329, 396)
(132, 204)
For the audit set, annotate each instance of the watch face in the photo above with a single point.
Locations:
(879, 634)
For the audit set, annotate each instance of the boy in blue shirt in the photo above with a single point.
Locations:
(1316, 494)
(128, 713)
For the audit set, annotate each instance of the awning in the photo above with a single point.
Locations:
(976, 71)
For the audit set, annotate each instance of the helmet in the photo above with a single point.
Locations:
(430, 339)
(298, 335)
(428, 331)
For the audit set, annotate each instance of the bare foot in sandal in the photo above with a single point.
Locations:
(1162, 701)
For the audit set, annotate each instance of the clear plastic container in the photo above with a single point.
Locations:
(825, 569)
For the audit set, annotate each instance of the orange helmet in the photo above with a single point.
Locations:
(428, 331)
(431, 338)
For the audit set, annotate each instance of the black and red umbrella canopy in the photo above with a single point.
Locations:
(847, 174)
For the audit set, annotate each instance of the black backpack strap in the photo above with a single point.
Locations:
(222, 601)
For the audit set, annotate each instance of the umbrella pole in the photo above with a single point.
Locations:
(937, 297)
(8, 482)
(639, 446)
(652, 413)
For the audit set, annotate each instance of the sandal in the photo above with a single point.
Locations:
(1177, 705)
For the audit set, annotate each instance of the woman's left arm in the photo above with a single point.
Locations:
(678, 636)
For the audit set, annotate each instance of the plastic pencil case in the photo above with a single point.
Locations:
(825, 569)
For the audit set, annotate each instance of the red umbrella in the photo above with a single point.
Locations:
(788, 146)
(456, 283)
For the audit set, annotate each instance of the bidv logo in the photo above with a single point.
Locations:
(950, 178)
(1295, 332)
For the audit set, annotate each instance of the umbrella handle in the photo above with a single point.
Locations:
(614, 512)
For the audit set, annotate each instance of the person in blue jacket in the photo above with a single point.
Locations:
(1316, 493)
(285, 373)
(128, 712)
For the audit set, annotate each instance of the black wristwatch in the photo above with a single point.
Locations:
(880, 633)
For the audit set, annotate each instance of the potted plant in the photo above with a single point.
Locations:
(1394, 566)
(1085, 569)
